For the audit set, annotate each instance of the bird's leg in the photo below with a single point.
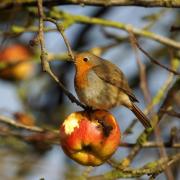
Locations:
(89, 108)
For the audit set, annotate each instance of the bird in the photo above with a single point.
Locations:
(100, 84)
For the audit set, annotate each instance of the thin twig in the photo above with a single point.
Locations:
(171, 113)
(155, 167)
(61, 15)
(159, 140)
(130, 127)
(45, 64)
(142, 69)
(49, 3)
(61, 30)
(15, 124)
(175, 28)
(155, 119)
(156, 62)
(152, 144)
(162, 150)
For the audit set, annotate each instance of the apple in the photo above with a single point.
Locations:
(24, 118)
(17, 58)
(90, 137)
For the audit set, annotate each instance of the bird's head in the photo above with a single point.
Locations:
(86, 60)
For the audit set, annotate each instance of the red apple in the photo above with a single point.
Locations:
(90, 138)
(24, 118)
(17, 58)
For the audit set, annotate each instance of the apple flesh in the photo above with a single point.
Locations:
(90, 138)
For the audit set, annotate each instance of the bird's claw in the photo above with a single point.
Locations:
(89, 108)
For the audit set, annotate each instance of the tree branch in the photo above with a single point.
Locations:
(155, 119)
(57, 14)
(171, 113)
(142, 69)
(72, 19)
(154, 61)
(15, 124)
(11, 122)
(141, 3)
(155, 167)
(44, 60)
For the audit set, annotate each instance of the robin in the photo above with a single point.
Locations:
(100, 84)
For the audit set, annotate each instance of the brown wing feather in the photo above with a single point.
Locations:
(108, 72)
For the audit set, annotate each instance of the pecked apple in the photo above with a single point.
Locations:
(90, 137)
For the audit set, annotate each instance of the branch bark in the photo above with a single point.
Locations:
(141, 3)
(36, 129)
(61, 15)
(15, 124)
(151, 168)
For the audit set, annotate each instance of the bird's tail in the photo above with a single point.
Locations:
(141, 116)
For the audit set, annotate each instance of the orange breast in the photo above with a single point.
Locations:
(82, 69)
(81, 80)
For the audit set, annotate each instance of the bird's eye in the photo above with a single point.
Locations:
(85, 59)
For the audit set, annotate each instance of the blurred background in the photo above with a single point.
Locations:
(36, 95)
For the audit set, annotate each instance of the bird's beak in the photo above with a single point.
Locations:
(73, 59)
